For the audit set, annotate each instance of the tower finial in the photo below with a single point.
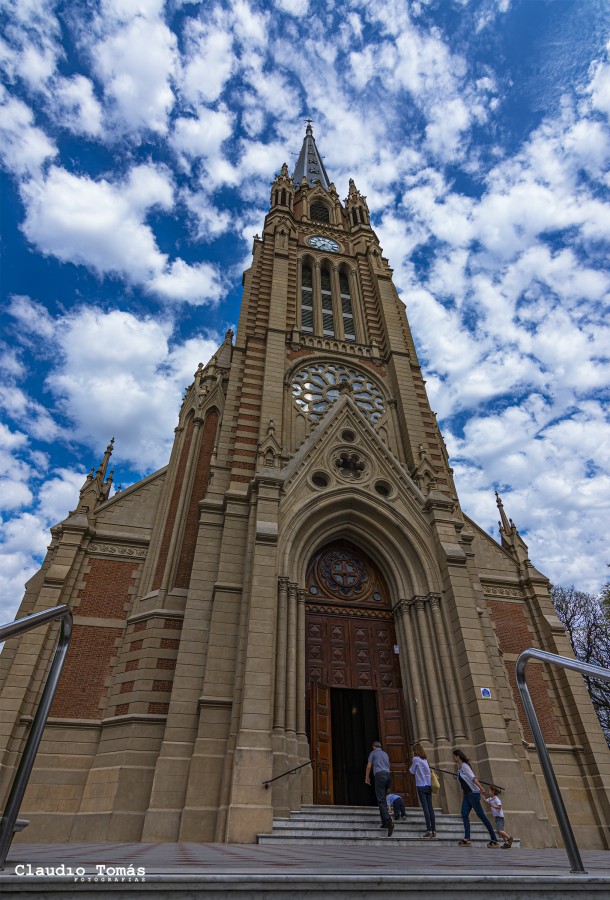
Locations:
(104, 463)
(504, 524)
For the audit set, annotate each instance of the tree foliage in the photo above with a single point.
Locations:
(587, 621)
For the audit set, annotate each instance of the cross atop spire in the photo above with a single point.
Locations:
(309, 164)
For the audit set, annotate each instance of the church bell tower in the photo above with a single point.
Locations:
(301, 580)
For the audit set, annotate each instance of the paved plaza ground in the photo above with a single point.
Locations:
(215, 870)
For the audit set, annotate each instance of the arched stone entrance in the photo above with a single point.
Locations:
(353, 680)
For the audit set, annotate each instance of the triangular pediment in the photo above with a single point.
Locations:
(345, 448)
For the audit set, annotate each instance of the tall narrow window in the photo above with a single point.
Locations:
(346, 308)
(306, 299)
(328, 323)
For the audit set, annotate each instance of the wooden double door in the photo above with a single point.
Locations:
(355, 698)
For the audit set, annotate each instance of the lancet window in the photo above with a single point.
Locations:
(306, 298)
(327, 304)
(328, 320)
(347, 309)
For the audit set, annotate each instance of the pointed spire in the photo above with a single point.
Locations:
(104, 463)
(511, 539)
(309, 164)
(96, 488)
(504, 523)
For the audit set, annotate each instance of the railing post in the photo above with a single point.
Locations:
(543, 754)
(24, 770)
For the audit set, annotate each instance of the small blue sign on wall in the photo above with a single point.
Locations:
(486, 693)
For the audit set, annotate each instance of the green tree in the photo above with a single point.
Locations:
(587, 621)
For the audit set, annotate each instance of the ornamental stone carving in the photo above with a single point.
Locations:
(316, 387)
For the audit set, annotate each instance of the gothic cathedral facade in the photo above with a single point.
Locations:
(298, 581)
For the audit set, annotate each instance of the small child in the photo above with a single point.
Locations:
(396, 805)
(498, 813)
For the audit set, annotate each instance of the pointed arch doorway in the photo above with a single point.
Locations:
(354, 688)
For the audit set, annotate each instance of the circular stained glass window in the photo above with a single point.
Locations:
(316, 387)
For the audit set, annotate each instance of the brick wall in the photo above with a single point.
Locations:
(106, 594)
(514, 634)
(82, 687)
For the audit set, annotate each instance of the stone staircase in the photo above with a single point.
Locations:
(341, 825)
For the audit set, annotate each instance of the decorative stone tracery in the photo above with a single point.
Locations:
(316, 387)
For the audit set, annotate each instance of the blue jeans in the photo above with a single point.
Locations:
(382, 781)
(473, 801)
(425, 798)
(398, 806)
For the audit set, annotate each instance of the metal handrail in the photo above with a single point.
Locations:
(543, 754)
(24, 770)
(289, 772)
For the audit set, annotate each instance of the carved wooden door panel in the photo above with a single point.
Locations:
(394, 742)
(321, 744)
(350, 637)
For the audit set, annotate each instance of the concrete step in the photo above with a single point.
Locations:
(345, 825)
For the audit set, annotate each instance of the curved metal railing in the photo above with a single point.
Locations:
(24, 770)
(543, 754)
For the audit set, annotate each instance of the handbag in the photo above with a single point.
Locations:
(434, 782)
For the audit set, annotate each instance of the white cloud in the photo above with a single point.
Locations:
(250, 25)
(119, 375)
(294, 7)
(134, 54)
(199, 284)
(32, 317)
(29, 413)
(93, 223)
(202, 136)
(77, 108)
(101, 225)
(599, 87)
(209, 60)
(210, 221)
(24, 146)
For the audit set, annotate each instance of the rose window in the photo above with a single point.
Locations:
(317, 387)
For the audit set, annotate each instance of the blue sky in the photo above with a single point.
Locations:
(138, 141)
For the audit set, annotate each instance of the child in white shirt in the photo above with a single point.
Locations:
(498, 813)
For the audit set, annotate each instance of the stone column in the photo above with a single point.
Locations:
(429, 669)
(448, 673)
(337, 308)
(279, 717)
(301, 724)
(404, 610)
(291, 656)
(357, 308)
(281, 799)
(317, 298)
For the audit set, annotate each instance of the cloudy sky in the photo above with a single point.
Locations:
(138, 142)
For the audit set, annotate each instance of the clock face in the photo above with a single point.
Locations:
(322, 243)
